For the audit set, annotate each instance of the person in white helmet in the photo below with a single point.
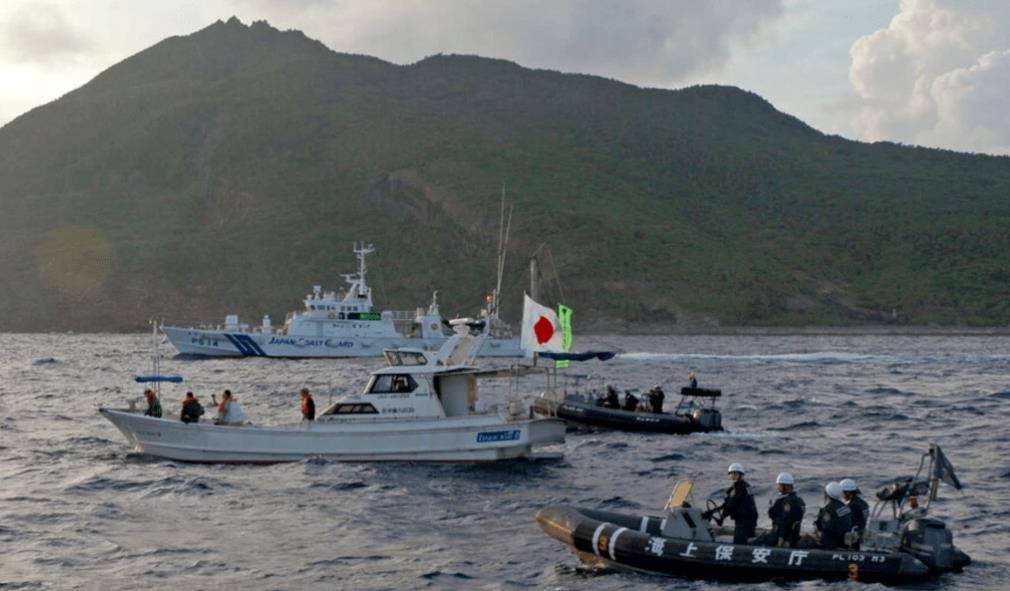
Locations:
(860, 508)
(834, 520)
(738, 506)
(786, 513)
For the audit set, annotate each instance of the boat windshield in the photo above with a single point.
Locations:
(396, 358)
(350, 408)
(392, 384)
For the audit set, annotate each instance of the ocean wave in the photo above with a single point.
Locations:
(822, 357)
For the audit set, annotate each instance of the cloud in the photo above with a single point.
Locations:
(938, 75)
(40, 33)
(651, 42)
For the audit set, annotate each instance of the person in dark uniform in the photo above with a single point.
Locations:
(738, 506)
(308, 406)
(610, 400)
(786, 514)
(630, 402)
(191, 409)
(860, 508)
(834, 520)
(656, 397)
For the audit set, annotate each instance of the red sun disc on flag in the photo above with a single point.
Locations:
(544, 329)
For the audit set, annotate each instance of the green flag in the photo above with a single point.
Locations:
(565, 318)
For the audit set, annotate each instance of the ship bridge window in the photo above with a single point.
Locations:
(350, 408)
(405, 358)
(392, 384)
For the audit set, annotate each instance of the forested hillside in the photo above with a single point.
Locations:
(230, 170)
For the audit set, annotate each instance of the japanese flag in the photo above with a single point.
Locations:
(541, 328)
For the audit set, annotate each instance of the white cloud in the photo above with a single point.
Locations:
(938, 75)
(39, 32)
(653, 42)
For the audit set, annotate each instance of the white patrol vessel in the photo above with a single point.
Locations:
(423, 407)
(337, 325)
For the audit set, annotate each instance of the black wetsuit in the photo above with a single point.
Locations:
(739, 506)
(834, 520)
(630, 402)
(786, 514)
(656, 397)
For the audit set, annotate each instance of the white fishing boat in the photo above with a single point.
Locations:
(423, 407)
(340, 325)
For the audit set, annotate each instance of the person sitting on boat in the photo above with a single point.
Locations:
(786, 514)
(860, 508)
(630, 401)
(692, 382)
(834, 519)
(739, 506)
(153, 404)
(308, 406)
(656, 397)
(229, 412)
(191, 409)
(610, 400)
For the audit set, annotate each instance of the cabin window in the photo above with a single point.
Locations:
(352, 408)
(392, 384)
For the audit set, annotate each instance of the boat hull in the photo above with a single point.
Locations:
(216, 343)
(634, 542)
(581, 414)
(483, 438)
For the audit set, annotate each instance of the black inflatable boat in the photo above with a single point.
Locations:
(690, 416)
(901, 546)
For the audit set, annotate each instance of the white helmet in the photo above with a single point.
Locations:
(833, 490)
(785, 478)
(734, 467)
(849, 485)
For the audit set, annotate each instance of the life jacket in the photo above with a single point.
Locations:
(305, 405)
(221, 407)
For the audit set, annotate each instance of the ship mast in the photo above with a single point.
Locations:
(504, 228)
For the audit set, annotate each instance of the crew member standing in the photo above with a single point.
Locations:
(308, 406)
(786, 514)
(738, 506)
(834, 520)
(860, 508)
(656, 397)
(692, 382)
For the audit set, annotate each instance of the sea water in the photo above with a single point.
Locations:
(79, 509)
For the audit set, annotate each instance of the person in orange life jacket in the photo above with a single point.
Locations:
(229, 411)
(191, 409)
(153, 404)
(308, 406)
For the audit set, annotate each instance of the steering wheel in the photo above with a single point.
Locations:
(711, 505)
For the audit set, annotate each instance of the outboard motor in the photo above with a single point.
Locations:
(709, 419)
(930, 541)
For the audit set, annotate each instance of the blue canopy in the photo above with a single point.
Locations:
(148, 379)
(601, 355)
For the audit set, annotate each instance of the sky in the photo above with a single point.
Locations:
(924, 72)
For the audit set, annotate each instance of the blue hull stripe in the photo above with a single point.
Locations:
(246, 345)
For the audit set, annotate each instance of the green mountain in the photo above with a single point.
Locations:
(230, 169)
